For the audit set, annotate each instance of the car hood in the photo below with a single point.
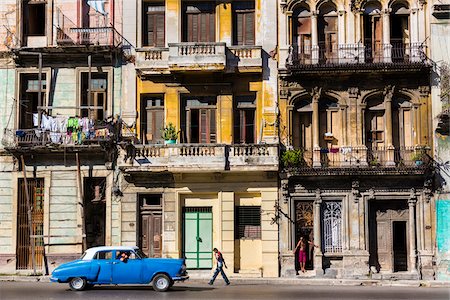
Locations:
(68, 265)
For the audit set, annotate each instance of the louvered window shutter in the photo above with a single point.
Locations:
(249, 28)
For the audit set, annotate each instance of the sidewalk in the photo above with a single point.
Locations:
(195, 279)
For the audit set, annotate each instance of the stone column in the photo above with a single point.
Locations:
(412, 236)
(315, 120)
(388, 93)
(315, 38)
(386, 35)
(317, 234)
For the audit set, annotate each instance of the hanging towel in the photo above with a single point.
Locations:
(98, 5)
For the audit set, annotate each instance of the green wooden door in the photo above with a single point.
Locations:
(198, 237)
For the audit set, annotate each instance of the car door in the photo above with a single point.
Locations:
(128, 271)
(104, 261)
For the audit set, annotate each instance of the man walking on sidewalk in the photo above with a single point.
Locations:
(220, 264)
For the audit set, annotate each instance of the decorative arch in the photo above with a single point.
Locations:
(292, 4)
(399, 6)
(372, 7)
(298, 96)
(327, 6)
(370, 95)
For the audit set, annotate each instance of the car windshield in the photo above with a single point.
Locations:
(140, 253)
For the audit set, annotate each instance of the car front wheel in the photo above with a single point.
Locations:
(77, 284)
(161, 283)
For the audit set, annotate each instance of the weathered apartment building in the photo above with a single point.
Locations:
(206, 67)
(440, 93)
(341, 87)
(354, 99)
(60, 80)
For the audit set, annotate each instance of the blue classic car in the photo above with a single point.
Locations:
(120, 265)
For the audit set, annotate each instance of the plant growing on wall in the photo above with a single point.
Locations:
(293, 158)
(169, 133)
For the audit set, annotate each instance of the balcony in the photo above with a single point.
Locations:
(197, 57)
(69, 34)
(349, 160)
(193, 57)
(245, 59)
(29, 140)
(361, 57)
(199, 158)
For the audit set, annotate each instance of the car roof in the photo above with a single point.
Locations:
(89, 253)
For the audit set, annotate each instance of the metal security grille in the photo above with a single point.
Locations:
(248, 222)
(36, 192)
(332, 226)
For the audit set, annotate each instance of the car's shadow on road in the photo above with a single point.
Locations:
(149, 288)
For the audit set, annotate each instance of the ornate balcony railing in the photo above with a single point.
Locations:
(39, 138)
(368, 54)
(210, 157)
(197, 56)
(245, 58)
(70, 34)
(363, 157)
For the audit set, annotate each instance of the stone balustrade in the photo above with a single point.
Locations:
(198, 157)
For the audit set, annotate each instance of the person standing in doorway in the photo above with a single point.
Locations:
(301, 246)
(219, 268)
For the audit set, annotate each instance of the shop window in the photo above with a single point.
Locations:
(244, 120)
(152, 118)
(34, 18)
(247, 222)
(153, 25)
(199, 22)
(244, 23)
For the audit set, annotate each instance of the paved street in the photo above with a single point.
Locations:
(39, 290)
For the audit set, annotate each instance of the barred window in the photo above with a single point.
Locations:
(247, 222)
(332, 226)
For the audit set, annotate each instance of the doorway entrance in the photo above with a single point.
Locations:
(304, 227)
(23, 250)
(197, 237)
(95, 210)
(150, 220)
(388, 236)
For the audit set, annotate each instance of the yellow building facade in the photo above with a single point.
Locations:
(216, 186)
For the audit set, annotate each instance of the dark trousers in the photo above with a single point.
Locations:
(216, 272)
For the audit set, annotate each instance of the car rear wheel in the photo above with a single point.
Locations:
(77, 284)
(161, 283)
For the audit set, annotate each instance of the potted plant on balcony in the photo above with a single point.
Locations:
(417, 158)
(293, 158)
(169, 134)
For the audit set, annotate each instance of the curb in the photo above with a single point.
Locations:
(277, 281)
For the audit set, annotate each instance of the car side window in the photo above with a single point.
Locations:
(103, 255)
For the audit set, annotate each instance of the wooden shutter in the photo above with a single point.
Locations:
(157, 245)
(155, 30)
(155, 122)
(249, 28)
(207, 130)
(200, 24)
(212, 125)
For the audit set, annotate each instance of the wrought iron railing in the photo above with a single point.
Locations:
(68, 33)
(369, 52)
(362, 156)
